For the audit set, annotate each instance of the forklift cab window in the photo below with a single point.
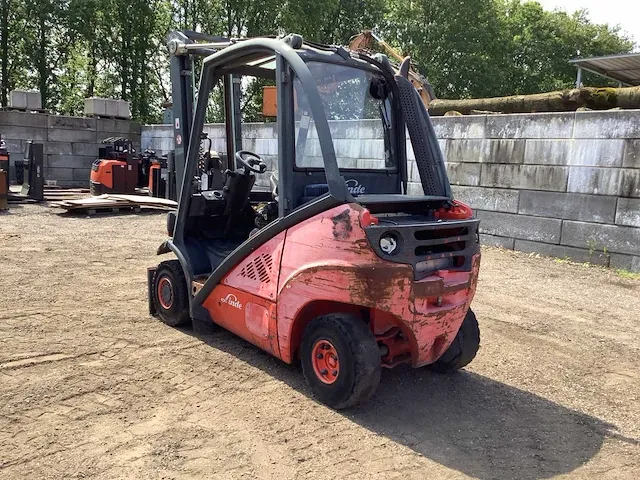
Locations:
(357, 104)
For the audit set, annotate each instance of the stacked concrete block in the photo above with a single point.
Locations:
(561, 184)
(70, 143)
(25, 100)
(107, 107)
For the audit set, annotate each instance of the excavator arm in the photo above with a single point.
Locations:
(364, 42)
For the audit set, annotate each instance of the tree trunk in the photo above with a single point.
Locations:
(4, 50)
(43, 73)
(561, 101)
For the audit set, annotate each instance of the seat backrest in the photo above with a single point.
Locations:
(237, 191)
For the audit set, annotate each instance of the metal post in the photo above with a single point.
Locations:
(579, 78)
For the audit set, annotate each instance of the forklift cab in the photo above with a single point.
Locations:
(336, 232)
(340, 134)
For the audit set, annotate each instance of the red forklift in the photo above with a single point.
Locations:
(335, 266)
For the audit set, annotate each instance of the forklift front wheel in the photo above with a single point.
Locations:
(340, 360)
(170, 294)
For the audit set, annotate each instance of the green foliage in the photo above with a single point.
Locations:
(73, 49)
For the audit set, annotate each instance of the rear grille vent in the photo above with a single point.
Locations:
(259, 269)
(429, 246)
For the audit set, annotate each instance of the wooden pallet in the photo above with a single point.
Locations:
(113, 204)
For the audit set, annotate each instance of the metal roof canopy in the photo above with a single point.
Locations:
(623, 68)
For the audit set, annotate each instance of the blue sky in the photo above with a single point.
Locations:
(625, 13)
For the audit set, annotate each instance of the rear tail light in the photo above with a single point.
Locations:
(457, 211)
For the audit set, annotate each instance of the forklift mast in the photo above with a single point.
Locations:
(184, 51)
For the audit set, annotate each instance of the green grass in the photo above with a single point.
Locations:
(627, 274)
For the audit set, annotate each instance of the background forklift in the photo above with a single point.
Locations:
(338, 268)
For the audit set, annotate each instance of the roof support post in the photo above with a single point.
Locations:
(579, 78)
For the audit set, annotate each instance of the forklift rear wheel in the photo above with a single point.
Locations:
(170, 294)
(463, 349)
(340, 360)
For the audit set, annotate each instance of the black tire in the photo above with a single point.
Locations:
(359, 359)
(463, 349)
(170, 294)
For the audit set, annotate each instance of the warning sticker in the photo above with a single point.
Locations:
(179, 139)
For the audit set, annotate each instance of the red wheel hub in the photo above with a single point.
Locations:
(325, 361)
(165, 293)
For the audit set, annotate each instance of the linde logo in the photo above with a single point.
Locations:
(232, 300)
(354, 187)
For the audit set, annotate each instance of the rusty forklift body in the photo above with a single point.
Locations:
(335, 266)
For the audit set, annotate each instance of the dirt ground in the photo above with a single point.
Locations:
(91, 386)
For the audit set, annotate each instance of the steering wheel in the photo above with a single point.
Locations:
(250, 161)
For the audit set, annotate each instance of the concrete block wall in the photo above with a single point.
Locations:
(70, 143)
(560, 184)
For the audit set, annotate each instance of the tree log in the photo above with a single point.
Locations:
(560, 101)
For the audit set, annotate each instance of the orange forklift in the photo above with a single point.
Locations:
(336, 266)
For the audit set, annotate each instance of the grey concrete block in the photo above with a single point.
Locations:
(468, 150)
(594, 236)
(218, 130)
(23, 119)
(415, 188)
(162, 131)
(484, 198)
(495, 241)
(568, 206)
(344, 148)
(530, 125)
(123, 127)
(506, 151)
(266, 146)
(369, 129)
(624, 182)
(59, 174)
(82, 174)
(344, 162)
(463, 173)
(249, 144)
(88, 149)
(258, 130)
(370, 163)
(572, 253)
(523, 227)
(373, 148)
(607, 124)
(414, 174)
(533, 177)
(15, 147)
(68, 135)
(547, 152)
(69, 161)
(631, 154)
(161, 144)
(630, 263)
(468, 126)
(74, 123)
(628, 212)
(57, 148)
(13, 132)
(349, 128)
(597, 153)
